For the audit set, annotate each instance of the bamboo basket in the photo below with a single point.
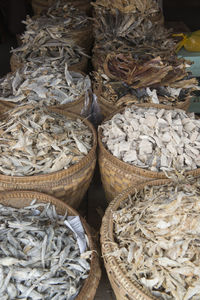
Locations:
(20, 199)
(69, 185)
(117, 175)
(77, 107)
(124, 288)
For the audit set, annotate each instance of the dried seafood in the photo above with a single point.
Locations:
(39, 255)
(157, 232)
(155, 139)
(72, 17)
(49, 84)
(131, 22)
(37, 141)
(49, 38)
(119, 93)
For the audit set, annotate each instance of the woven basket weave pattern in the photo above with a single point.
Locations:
(69, 185)
(124, 288)
(117, 175)
(22, 198)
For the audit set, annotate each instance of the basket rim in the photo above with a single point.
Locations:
(107, 242)
(95, 271)
(126, 166)
(63, 172)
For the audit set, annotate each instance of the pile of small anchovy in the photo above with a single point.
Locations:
(50, 84)
(39, 255)
(156, 233)
(154, 139)
(35, 140)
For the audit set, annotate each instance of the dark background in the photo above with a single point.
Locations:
(187, 11)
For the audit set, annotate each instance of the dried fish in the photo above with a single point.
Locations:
(52, 37)
(155, 139)
(35, 140)
(156, 232)
(49, 84)
(48, 263)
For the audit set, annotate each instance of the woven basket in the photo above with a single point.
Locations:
(117, 175)
(69, 185)
(124, 288)
(81, 66)
(83, 38)
(40, 6)
(77, 107)
(20, 199)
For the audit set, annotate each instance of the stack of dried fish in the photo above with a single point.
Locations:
(49, 38)
(37, 141)
(39, 255)
(49, 84)
(154, 139)
(132, 22)
(135, 56)
(156, 233)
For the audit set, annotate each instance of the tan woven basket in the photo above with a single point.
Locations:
(124, 288)
(117, 175)
(69, 185)
(77, 106)
(20, 199)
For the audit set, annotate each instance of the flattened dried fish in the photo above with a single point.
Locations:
(50, 84)
(156, 231)
(27, 149)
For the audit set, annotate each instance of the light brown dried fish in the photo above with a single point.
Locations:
(50, 146)
(157, 235)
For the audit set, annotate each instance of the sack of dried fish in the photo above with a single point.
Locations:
(150, 241)
(146, 142)
(51, 84)
(46, 249)
(47, 150)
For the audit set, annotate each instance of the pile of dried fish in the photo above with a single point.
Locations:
(155, 139)
(135, 55)
(39, 255)
(132, 22)
(49, 38)
(118, 92)
(72, 17)
(49, 84)
(37, 141)
(157, 240)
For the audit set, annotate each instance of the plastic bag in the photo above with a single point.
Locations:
(191, 41)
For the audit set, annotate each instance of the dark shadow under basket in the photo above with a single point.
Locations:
(69, 185)
(20, 199)
(117, 175)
